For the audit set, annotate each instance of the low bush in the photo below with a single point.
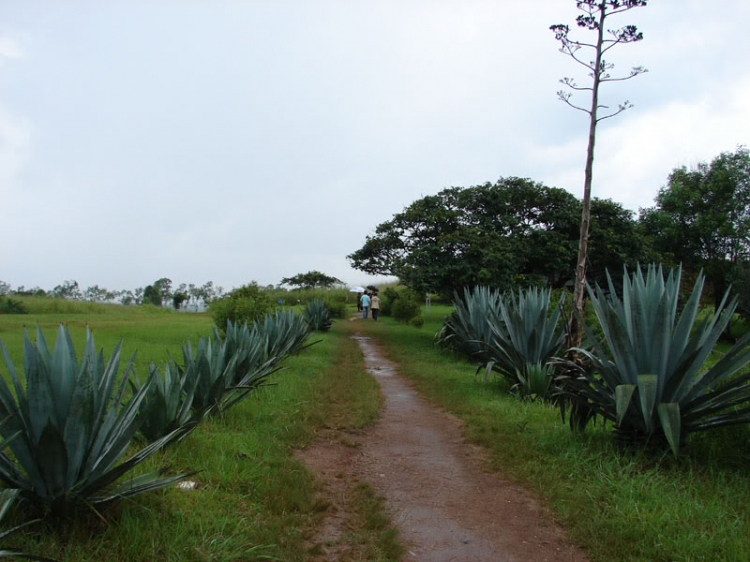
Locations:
(387, 298)
(406, 307)
(11, 306)
(244, 304)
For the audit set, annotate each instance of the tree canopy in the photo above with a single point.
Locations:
(513, 231)
(311, 280)
(702, 217)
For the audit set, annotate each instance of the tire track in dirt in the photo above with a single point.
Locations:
(446, 507)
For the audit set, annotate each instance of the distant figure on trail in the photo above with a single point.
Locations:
(375, 306)
(359, 302)
(365, 300)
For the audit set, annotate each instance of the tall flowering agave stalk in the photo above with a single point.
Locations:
(648, 374)
(72, 426)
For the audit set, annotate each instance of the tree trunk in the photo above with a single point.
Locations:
(575, 334)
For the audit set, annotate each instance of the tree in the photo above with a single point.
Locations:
(512, 232)
(311, 280)
(126, 297)
(702, 218)
(178, 298)
(151, 295)
(164, 288)
(593, 18)
(98, 294)
(207, 292)
(68, 290)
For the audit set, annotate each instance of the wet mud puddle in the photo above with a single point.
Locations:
(446, 507)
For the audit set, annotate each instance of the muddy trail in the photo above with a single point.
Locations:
(446, 507)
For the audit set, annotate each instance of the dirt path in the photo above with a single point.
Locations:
(446, 507)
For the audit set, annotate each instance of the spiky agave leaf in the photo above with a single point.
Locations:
(318, 316)
(260, 351)
(647, 375)
(468, 329)
(72, 423)
(168, 402)
(210, 369)
(525, 335)
(285, 333)
(535, 381)
(8, 497)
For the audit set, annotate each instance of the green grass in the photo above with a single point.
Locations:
(620, 505)
(254, 500)
(148, 330)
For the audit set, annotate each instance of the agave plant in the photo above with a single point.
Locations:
(210, 370)
(8, 496)
(73, 426)
(168, 401)
(525, 337)
(534, 382)
(318, 316)
(285, 333)
(648, 374)
(467, 329)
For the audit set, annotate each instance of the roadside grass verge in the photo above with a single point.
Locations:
(252, 499)
(620, 505)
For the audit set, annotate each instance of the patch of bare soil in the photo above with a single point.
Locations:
(446, 506)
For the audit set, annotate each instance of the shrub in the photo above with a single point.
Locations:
(11, 306)
(73, 426)
(336, 309)
(387, 298)
(648, 375)
(417, 321)
(244, 304)
(406, 307)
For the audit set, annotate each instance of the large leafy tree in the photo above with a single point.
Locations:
(702, 218)
(311, 280)
(513, 231)
(594, 18)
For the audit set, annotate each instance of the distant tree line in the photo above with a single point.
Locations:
(520, 232)
(158, 293)
(162, 293)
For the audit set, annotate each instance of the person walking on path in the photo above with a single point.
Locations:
(375, 306)
(365, 305)
(359, 302)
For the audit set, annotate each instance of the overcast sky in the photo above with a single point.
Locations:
(252, 140)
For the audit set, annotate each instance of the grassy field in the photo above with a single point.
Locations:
(253, 500)
(620, 505)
